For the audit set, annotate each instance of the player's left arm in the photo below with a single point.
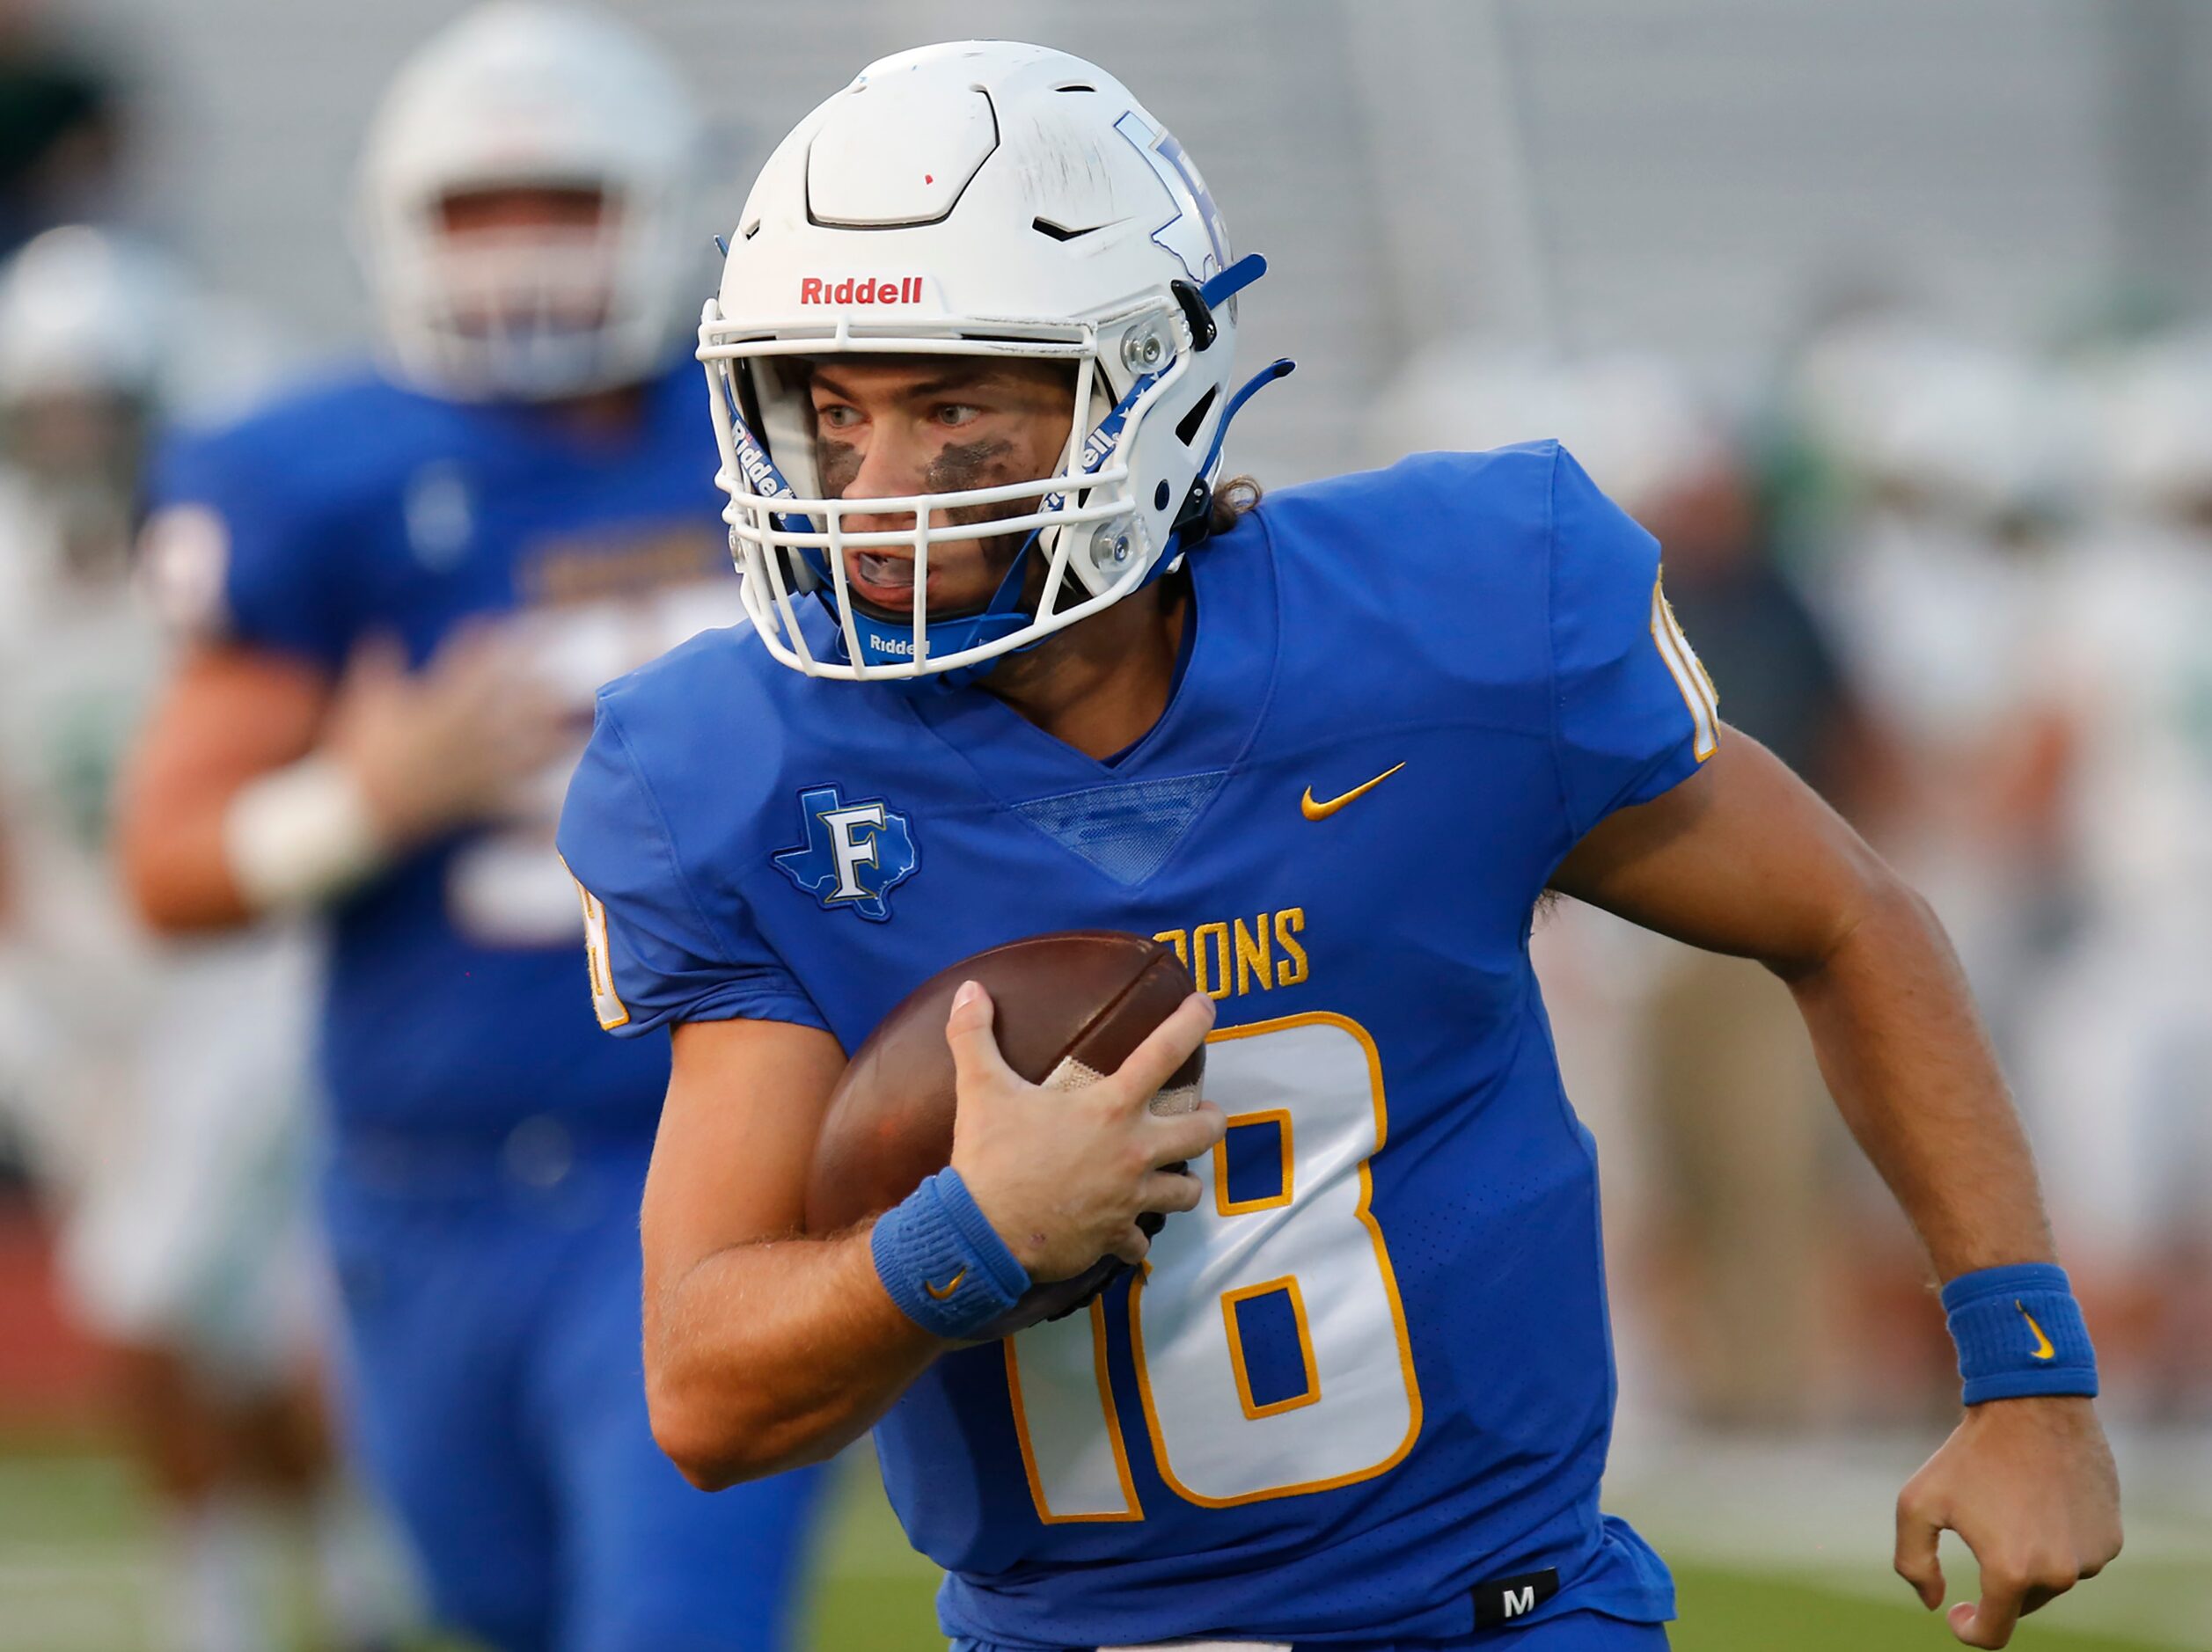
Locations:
(1744, 857)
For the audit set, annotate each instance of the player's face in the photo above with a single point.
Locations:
(893, 426)
(504, 237)
(577, 208)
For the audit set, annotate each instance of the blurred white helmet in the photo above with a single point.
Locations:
(1632, 420)
(976, 199)
(85, 311)
(521, 94)
(94, 311)
(1957, 424)
(2153, 424)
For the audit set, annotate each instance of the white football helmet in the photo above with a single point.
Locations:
(89, 310)
(979, 199)
(85, 311)
(1942, 422)
(2153, 400)
(530, 94)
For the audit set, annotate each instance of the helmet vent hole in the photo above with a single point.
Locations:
(749, 230)
(1060, 231)
(1160, 497)
(1186, 426)
(1076, 85)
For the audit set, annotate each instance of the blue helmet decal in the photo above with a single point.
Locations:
(854, 854)
(1185, 187)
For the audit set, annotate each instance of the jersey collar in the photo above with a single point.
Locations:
(1211, 718)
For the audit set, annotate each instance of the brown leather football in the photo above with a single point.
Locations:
(1070, 1007)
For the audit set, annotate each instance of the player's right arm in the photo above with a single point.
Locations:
(261, 785)
(228, 716)
(766, 1349)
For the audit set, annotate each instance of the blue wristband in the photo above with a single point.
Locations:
(2019, 1332)
(943, 1262)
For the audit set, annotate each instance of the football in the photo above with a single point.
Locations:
(1070, 1007)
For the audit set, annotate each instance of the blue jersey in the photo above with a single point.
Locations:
(359, 509)
(1373, 1369)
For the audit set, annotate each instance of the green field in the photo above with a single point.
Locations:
(74, 1577)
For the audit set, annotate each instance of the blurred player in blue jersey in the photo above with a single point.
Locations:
(408, 583)
(1023, 668)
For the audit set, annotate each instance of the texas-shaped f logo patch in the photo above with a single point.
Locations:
(854, 853)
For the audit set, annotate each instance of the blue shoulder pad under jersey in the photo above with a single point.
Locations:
(1634, 713)
(664, 960)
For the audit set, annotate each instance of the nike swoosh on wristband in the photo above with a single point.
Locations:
(950, 1285)
(2043, 1349)
(1312, 810)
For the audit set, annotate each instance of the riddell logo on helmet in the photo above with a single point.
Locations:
(857, 290)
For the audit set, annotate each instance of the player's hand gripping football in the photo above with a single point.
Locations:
(1063, 1174)
(450, 745)
(2030, 1485)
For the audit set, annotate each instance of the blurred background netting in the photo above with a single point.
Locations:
(1894, 321)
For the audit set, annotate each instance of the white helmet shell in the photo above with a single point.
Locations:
(2154, 402)
(90, 311)
(1955, 425)
(522, 93)
(979, 199)
(84, 311)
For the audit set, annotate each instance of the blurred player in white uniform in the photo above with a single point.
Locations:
(2118, 1079)
(164, 1088)
(1959, 463)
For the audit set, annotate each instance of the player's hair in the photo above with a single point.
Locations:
(1232, 500)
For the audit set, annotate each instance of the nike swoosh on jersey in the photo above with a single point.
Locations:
(949, 1286)
(2043, 1349)
(1312, 810)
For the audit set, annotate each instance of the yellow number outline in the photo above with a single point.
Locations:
(1136, 1509)
(1310, 1395)
(1223, 1205)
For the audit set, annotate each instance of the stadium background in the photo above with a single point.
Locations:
(1706, 184)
